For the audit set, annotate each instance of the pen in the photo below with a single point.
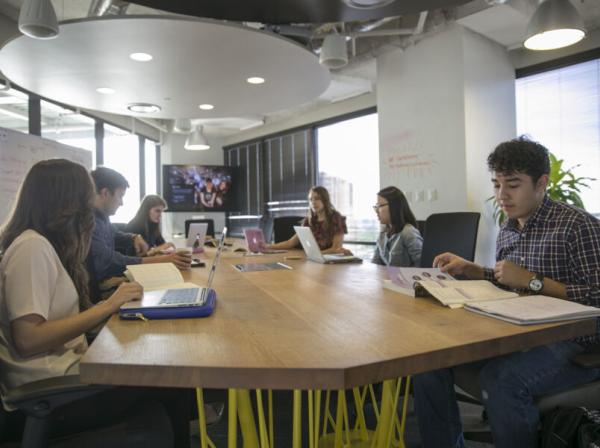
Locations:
(284, 265)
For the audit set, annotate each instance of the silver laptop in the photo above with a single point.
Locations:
(196, 229)
(313, 252)
(169, 298)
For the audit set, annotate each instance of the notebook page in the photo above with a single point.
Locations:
(536, 308)
(155, 276)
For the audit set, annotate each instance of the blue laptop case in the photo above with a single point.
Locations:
(176, 312)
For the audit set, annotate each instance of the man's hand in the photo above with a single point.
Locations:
(140, 245)
(512, 275)
(455, 265)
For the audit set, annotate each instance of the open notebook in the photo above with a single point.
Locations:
(157, 276)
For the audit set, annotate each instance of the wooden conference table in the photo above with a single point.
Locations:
(315, 327)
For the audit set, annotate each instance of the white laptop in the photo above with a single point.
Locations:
(196, 228)
(313, 252)
(182, 295)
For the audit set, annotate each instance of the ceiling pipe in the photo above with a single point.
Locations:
(107, 8)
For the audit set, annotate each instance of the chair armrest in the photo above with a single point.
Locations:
(40, 398)
(589, 359)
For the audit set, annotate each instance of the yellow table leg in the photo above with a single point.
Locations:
(201, 418)
(271, 433)
(262, 425)
(232, 420)
(311, 422)
(246, 416)
(385, 416)
(297, 420)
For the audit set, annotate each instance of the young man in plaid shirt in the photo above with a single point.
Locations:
(544, 247)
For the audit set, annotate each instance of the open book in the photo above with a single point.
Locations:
(157, 276)
(529, 310)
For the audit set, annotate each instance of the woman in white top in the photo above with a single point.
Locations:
(44, 303)
(400, 243)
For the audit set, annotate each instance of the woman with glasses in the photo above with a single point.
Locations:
(399, 243)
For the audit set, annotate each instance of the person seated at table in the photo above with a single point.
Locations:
(544, 247)
(326, 223)
(104, 261)
(400, 243)
(146, 223)
(45, 300)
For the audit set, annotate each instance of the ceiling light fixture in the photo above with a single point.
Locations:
(206, 106)
(143, 108)
(196, 141)
(105, 90)
(367, 4)
(554, 24)
(255, 80)
(141, 57)
(334, 53)
(37, 19)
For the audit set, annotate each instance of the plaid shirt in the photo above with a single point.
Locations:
(561, 242)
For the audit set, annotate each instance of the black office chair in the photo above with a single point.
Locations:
(146, 425)
(450, 232)
(210, 230)
(421, 227)
(283, 227)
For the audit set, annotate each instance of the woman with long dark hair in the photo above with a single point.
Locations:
(326, 223)
(45, 304)
(399, 243)
(146, 223)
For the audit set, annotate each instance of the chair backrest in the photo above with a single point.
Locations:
(283, 227)
(210, 230)
(421, 227)
(450, 232)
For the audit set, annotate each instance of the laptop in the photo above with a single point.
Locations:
(313, 252)
(255, 239)
(199, 229)
(178, 302)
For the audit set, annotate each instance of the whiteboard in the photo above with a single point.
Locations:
(19, 152)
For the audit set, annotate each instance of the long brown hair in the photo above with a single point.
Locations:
(56, 200)
(141, 219)
(327, 206)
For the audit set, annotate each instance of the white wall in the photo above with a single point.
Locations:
(443, 105)
(173, 152)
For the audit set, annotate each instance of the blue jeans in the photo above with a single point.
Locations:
(509, 385)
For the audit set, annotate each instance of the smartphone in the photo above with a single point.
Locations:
(198, 264)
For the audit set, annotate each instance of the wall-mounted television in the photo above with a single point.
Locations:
(208, 188)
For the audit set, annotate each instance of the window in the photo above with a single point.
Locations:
(559, 108)
(122, 153)
(348, 161)
(150, 166)
(68, 127)
(14, 109)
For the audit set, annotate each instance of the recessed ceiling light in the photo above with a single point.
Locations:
(206, 106)
(105, 90)
(367, 4)
(255, 80)
(143, 108)
(141, 57)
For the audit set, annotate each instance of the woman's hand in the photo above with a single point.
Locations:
(124, 293)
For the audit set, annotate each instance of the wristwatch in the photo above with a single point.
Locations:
(536, 283)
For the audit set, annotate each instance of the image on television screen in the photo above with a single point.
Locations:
(200, 188)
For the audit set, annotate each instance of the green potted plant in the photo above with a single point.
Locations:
(563, 186)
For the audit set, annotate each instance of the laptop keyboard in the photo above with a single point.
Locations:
(184, 296)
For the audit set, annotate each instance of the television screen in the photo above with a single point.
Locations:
(190, 188)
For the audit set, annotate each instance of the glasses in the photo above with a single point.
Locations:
(376, 207)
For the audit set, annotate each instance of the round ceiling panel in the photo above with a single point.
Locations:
(165, 68)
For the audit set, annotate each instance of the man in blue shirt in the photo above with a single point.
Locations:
(544, 247)
(104, 261)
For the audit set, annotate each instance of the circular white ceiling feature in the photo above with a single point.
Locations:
(195, 62)
(255, 80)
(143, 108)
(367, 4)
(105, 90)
(206, 106)
(141, 57)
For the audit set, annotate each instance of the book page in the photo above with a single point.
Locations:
(155, 276)
(458, 292)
